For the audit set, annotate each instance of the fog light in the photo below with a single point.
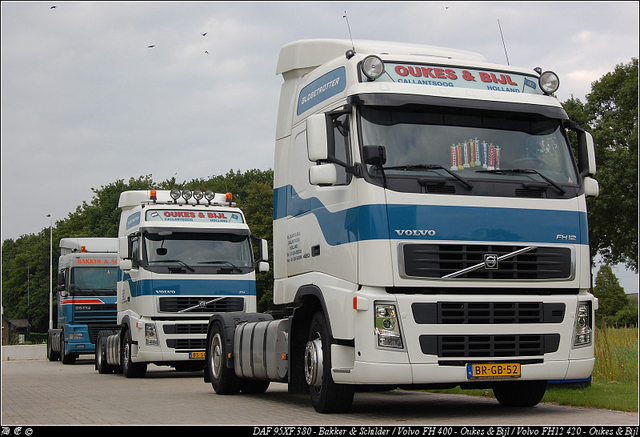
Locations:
(150, 337)
(387, 327)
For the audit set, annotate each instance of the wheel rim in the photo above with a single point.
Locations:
(313, 363)
(125, 355)
(216, 355)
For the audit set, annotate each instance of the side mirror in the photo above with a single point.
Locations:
(263, 266)
(374, 155)
(325, 174)
(591, 187)
(126, 265)
(317, 146)
(586, 152)
(263, 250)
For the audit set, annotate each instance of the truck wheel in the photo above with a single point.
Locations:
(129, 368)
(101, 360)
(224, 380)
(51, 354)
(326, 395)
(66, 359)
(520, 394)
(254, 386)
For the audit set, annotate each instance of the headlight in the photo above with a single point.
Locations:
(76, 336)
(583, 329)
(150, 337)
(549, 82)
(372, 67)
(387, 327)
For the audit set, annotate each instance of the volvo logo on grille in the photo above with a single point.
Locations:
(202, 304)
(490, 261)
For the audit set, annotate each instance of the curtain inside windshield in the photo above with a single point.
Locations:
(468, 142)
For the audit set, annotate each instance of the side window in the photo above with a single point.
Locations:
(134, 250)
(341, 149)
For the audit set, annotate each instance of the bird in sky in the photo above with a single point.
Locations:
(151, 46)
(206, 52)
(203, 34)
(53, 7)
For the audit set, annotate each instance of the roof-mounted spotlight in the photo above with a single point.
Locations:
(198, 195)
(209, 195)
(549, 82)
(372, 67)
(186, 194)
(175, 194)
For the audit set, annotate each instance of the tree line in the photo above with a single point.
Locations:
(610, 114)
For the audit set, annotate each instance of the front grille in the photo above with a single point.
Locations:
(187, 343)
(224, 305)
(468, 261)
(487, 312)
(99, 313)
(523, 345)
(186, 328)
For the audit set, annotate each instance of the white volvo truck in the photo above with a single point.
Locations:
(430, 230)
(182, 255)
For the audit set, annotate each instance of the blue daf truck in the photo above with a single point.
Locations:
(87, 278)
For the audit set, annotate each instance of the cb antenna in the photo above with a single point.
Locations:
(503, 44)
(349, 27)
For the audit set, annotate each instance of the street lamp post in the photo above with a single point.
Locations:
(50, 271)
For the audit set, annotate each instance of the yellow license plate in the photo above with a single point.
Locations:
(197, 355)
(493, 371)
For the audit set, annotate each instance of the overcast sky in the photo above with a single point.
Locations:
(86, 102)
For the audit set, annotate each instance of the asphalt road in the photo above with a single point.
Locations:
(39, 392)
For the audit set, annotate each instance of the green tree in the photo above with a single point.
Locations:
(610, 294)
(611, 115)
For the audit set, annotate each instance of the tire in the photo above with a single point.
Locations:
(520, 394)
(66, 359)
(254, 386)
(101, 360)
(223, 379)
(129, 368)
(51, 354)
(326, 395)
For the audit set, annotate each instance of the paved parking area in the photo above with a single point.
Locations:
(39, 392)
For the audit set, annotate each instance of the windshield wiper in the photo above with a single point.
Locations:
(430, 167)
(230, 264)
(182, 263)
(526, 170)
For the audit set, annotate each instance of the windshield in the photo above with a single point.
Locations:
(474, 144)
(198, 252)
(92, 281)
